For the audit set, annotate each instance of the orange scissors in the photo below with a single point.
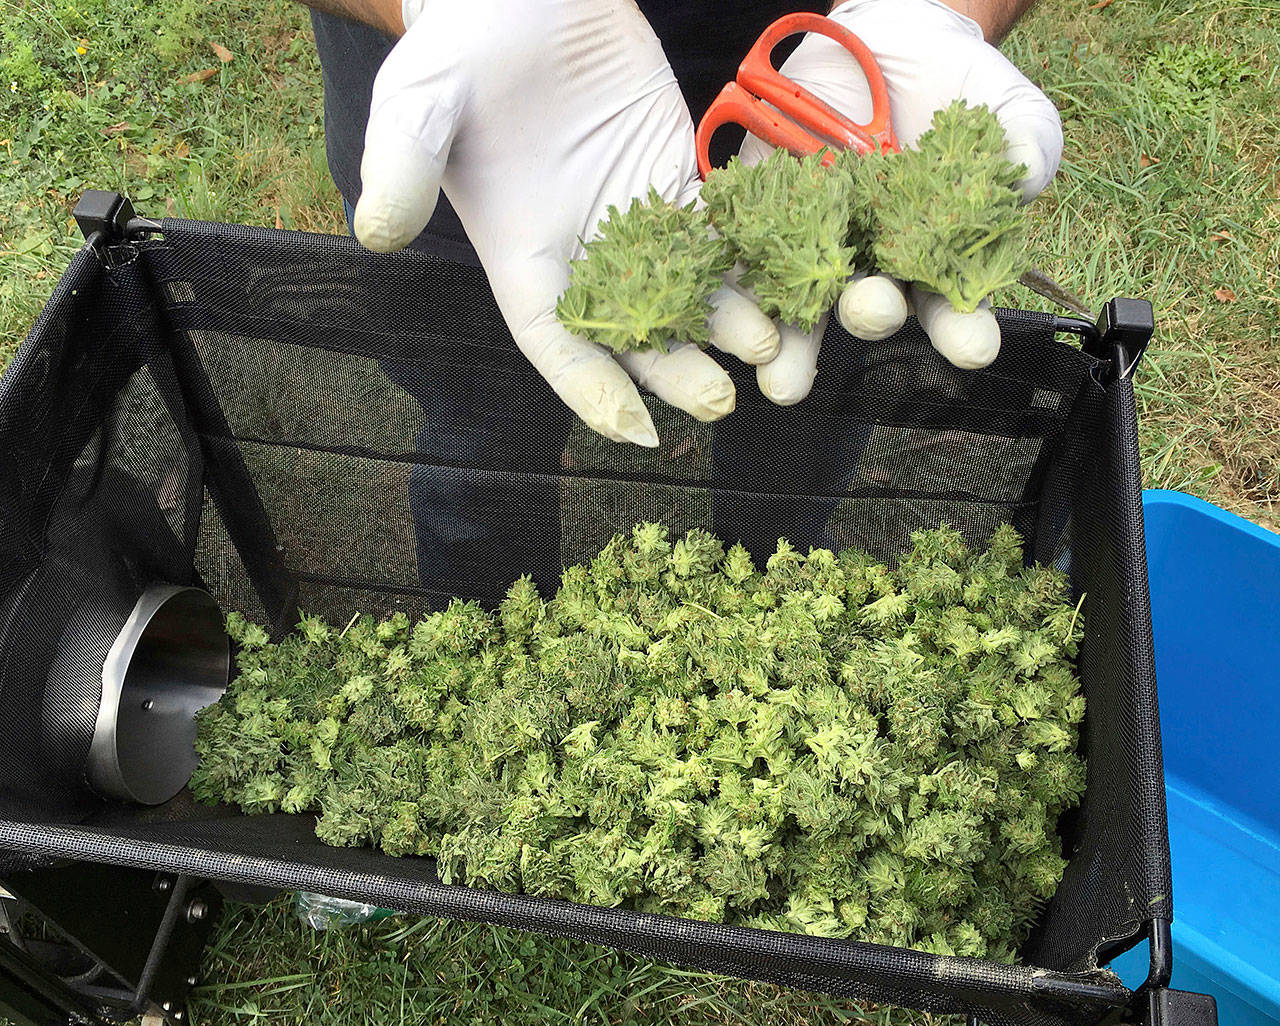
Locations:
(761, 96)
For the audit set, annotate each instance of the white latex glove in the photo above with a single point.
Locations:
(535, 117)
(930, 55)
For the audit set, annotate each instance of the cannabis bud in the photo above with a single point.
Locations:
(948, 214)
(827, 745)
(645, 281)
(801, 228)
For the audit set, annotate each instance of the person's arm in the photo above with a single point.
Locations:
(996, 17)
(384, 15)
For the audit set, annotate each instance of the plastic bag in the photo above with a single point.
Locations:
(319, 911)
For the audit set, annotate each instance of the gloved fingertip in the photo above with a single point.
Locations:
(1035, 142)
(649, 439)
(632, 425)
(785, 392)
(685, 377)
(789, 378)
(588, 381)
(718, 400)
(382, 226)
(873, 307)
(785, 386)
(738, 326)
(969, 341)
(407, 143)
(972, 348)
(1027, 153)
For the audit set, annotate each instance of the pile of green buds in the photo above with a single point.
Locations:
(826, 745)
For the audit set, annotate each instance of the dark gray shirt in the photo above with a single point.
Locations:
(704, 41)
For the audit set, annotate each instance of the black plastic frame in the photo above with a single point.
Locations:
(140, 934)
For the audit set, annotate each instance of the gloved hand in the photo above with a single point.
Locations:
(535, 117)
(930, 55)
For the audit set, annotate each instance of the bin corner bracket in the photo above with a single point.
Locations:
(107, 219)
(1166, 1007)
(1155, 1003)
(1120, 336)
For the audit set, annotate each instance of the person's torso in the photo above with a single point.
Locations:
(704, 42)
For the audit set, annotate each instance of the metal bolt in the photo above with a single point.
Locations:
(163, 884)
(178, 1014)
(166, 1005)
(196, 911)
(191, 981)
(147, 705)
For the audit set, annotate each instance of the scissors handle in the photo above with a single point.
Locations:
(736, 106)
(813, 123)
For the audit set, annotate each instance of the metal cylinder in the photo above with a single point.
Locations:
(171, 660)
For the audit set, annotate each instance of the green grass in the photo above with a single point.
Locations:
(98, 94)
(266, 966)
(1170, 190)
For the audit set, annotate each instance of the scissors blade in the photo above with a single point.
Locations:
(1041, 284)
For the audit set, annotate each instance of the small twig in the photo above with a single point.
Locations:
(709, 612)
(354, 618)
(1101, 4)
(1071, 627)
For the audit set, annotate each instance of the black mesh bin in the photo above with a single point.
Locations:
(291, 421)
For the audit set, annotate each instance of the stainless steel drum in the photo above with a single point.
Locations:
(171, 660)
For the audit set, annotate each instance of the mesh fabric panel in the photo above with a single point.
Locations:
(294, 421)
(99, 487)
(1119, 876)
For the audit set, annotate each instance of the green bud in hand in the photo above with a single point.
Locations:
(948, 214)
(646, 280)
(801, 227)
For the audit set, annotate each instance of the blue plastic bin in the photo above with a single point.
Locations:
(1215, 604)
